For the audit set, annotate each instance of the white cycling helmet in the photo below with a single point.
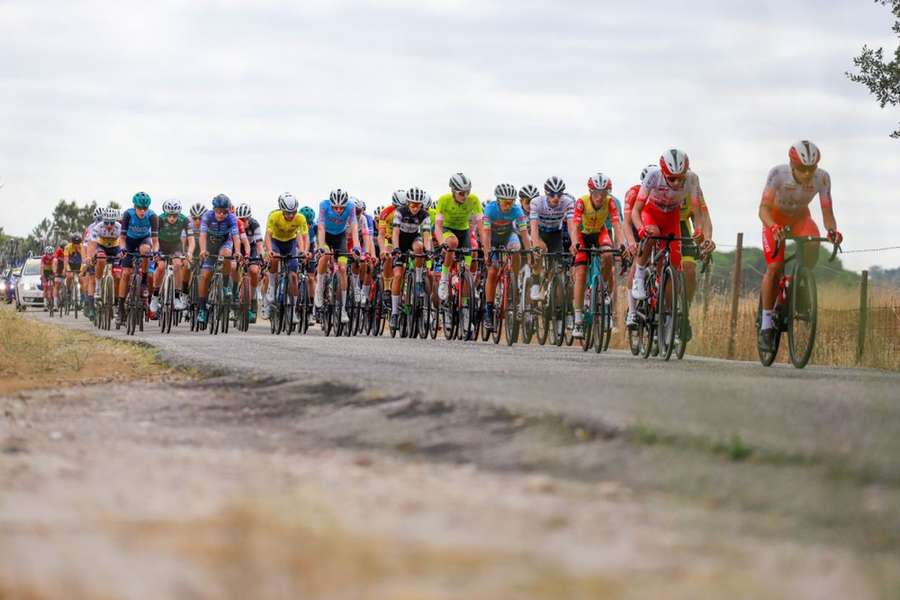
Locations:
(599, 182)
(460, 183)
(198, 209)
(98, 213)
(359, 204)
(505, 191)
(172, 207)
(48, 249)
(529, 192)
(398, 199)
(338, 198)
(674, 162)
(554, 185)
(287, 202)
(243, 211)
(646, 170)
(416, 195)
(804, 154)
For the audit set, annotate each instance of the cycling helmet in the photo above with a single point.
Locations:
(198, 210)
(76, 238)
(804, 154)
(287, 202)
(599, 182)
(243, 211)
(416, 195)
(674, 163)
(172, 207)
(338, 198)
(554, 185)
(141, 200)
(110, 215)
(98, 213)
(529, 192)
(308, 214)
(359, 204)
(221, 201)
(505, 191)
(646, 170)
(399, 198)
(48, 249)
(460, 183)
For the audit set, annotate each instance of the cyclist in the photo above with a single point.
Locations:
(362, 271)
(386, 237)
(589, 222)
(74, 256)
(336, 221)
(691, 252)
(526, 195)
(310, 215)
(631, 237)
(102, 245)
(219, 235)
(504, 227)
(657, 210)
(47, 259)
(785, 203)
(139, 233)
(254, 234)
(546, 215)
(287, 234)
(59, 265)
(174, 231)
(411, 232)
(456, 212)
(198, 209)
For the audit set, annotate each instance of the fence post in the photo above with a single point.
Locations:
(735, 294)
(707, 280)
(863, 315)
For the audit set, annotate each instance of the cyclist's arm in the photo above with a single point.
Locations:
(154, 233)
(354, 231)
(203, 237)
(523, 234)
(439, 227)
(636, 211)
(395, 233)
(320, 235)
(765, 207)
(369, 242)
(616, 222)
(484, 232)
(190, 245)
(382, 232)
(574, 224)
(245, 243)
(827, 208)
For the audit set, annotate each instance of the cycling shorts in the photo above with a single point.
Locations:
(669, 223)
(592, 240)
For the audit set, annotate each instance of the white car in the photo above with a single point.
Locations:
(29, 291)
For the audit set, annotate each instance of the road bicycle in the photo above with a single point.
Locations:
(796, 305)
(598, 301)
(506, 298)
(218, 303)
(136, 304)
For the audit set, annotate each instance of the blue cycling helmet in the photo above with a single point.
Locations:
(308, 214)
(141, 200)
(221, 201)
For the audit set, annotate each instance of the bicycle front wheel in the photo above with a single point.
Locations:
(802, 316)
(667, 312)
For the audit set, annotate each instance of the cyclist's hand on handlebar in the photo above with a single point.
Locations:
(835, 236)
(708, 246)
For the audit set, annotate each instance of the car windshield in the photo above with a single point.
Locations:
(32, 267)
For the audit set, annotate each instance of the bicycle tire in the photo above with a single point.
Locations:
(666, 308)
(803, 284)
(683, 316)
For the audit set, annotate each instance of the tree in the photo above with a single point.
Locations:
(69, 218)
(882, 78)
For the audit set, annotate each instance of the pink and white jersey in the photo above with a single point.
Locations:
(792, 198)
(656, 191)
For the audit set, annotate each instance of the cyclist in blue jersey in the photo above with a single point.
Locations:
(337, 222)
(504, 227)
(219, 235)
(140, 228)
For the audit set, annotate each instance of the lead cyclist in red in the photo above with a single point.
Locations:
(785, 203)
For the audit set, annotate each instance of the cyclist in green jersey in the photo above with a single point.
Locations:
(174, 230)
(454, 215)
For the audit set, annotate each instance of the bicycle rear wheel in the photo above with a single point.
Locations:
(568, 313)
(802, 316)
(499, 309)
(589, 318)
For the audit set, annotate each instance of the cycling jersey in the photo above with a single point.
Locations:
(790, 201)
(589, 219)
(501, 223)
(335, 223)
(410, 225)
(105, 235)
(171, 234)
(47, 262)
(550, 218)
(365, 225)
(216, 231)
(137, 228)
(656, 191)
(386, 222)
(283, 229)
(455, 215)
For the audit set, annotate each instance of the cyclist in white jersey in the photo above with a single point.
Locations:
(785, 203)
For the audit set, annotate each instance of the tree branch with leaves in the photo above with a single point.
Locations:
(880, 76)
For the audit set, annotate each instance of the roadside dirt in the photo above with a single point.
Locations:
(286, 489)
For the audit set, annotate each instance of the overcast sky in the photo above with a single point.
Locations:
(189, 99)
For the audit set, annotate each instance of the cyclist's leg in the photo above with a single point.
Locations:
(807, 227)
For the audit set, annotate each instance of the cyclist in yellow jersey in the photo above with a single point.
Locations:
(690, 252)
(455, 212)
(287, 234)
